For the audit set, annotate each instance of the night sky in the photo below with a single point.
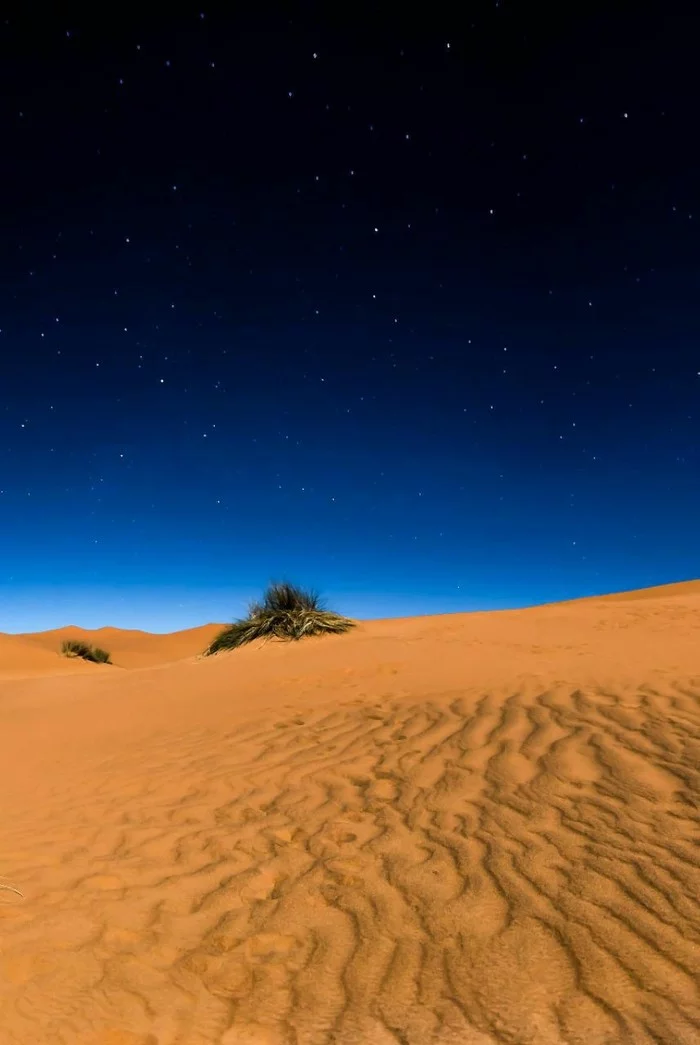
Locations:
(407, 312)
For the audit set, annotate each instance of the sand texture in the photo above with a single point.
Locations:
(128, 649)
(460, 830)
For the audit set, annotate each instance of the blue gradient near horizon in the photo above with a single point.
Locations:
(207, 387)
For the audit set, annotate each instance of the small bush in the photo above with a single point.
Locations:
(286, 612)
(73, 648)
(76, 648)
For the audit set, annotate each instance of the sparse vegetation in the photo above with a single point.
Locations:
(286, 612)
(76, 648)
(101, 656)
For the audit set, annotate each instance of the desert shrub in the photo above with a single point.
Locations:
(286, 612)
(76, 648)
(73, 648)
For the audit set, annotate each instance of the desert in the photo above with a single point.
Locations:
(474, 828)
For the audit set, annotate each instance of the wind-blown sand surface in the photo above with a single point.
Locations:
(472, 829)
(129, 649)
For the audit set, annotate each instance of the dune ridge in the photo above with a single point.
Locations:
(680, 589)
(475, 829)
(129, 648)
(22, 658)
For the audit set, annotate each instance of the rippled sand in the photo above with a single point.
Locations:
(469, 829)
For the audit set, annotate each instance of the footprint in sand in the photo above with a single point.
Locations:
(260, 887)
(270, 947)
(383, 789)
(229, 977)
(341, 835)
(347, 872)
(282, 836)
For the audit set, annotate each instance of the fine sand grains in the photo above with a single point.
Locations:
(514, 863)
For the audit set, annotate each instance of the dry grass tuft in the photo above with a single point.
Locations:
(75, 648)
(287, 613)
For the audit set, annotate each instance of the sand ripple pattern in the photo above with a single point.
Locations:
(500, 867)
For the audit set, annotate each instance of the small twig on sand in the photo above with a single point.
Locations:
(10, 888)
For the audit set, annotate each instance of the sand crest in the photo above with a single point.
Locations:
(128, 649)
(471, 829)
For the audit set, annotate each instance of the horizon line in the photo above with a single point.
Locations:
(447, 613)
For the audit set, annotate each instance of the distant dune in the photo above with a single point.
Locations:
(661, 591)
(130, 649)
(20, 657)
(468, 829)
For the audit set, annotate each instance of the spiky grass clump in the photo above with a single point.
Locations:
(76, 648)
(100, 656)
(286, 612)
(73, 648)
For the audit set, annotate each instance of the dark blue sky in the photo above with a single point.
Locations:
(404, 312)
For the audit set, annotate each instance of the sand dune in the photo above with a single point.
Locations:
(471, 829)
(660, 591)
(20, 658)
(130, 649)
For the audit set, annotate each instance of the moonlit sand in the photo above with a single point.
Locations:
(472, 829)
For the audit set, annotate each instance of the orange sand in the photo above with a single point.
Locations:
(466, 829)
(129, 649)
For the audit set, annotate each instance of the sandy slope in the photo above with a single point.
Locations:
(20, 658)
(467, 829)
(660, 591)
(128, 649)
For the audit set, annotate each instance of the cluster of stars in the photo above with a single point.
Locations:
(429, 312)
